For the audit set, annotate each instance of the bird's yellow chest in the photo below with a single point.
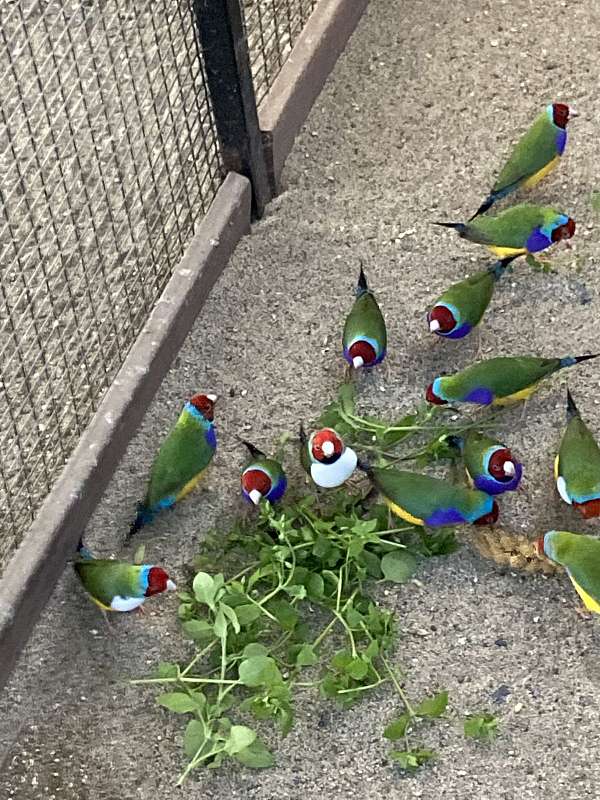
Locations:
(538, 176)
(588, 600)
(504, 252)
(523, 394)
(402, 513)
(190, 486)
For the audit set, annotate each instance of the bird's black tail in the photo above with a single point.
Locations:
(459, 227)
(498, 268)
(362, 286)
(572, 410)
(302, 434)
(570, 361)
(143, 517)
(254, 451)
(485, 206)
(83, 551)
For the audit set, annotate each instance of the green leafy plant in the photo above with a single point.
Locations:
(481, 726)
(399, 729)
(291, 607)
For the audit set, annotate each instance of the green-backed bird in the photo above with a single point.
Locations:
(460, 308)
(497, 381)
(580, 556)
(365, 337)
(518, 230)
(263, 478)
(181, 461)
(423, 500)
(489, 464)
(536, 154)
(326, 458)
(577, 465)
(117, 585)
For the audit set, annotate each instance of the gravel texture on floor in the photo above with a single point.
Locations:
(415, 120)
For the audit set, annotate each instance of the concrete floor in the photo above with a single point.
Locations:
(416, 118)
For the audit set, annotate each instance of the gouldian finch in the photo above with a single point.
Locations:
(263, 478)
(423, 500)
(518, 230)
(577, 465)
(497, 381)
(365, 337)
(182, 459)
(326, 458)
(580, 556)
(117, 585)
(462, 306)
(489, 464)
(535, 154)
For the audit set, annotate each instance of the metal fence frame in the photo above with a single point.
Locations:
(255, 139)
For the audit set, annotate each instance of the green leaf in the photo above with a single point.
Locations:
(256, 756)
(167, 670)
(180, 702)
(220, 626)
(411, 760)
(259, 671)
(357, 669)
(315, 586)
(205, 589)
(372, 563)
(255, 649)
(231, 616)
(240, 737)
(346, 398)
(397, 729)
(391, 438)
(481, 726)
(433, 706)
(198, 629)
(398, 566)
(286, 614)
(296, 590)
(247, 613)
(138, 556)
(193, 738)
(595, 201)
(306, 656)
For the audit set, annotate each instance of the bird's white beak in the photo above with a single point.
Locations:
(509, 468)
(212, 398)
(255, 496)
(573, 113)
(357, 362)
(434, 325)
(328, 449)
(171, 587)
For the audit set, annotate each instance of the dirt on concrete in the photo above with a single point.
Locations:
(414, 122)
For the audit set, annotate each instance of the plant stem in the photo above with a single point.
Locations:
(399, 689)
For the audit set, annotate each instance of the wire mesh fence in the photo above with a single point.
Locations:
(109, 157)
(272, 27)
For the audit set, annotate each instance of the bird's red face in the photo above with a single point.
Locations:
(326, 446)
(560, 114)
(441, 320)
(489, 519)
(205, 404)
(256, 480)
(539, 546)
(498, 465)
(565, 231)
(157, 581)
(588, 510)
(432, 397)
(363, 350)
